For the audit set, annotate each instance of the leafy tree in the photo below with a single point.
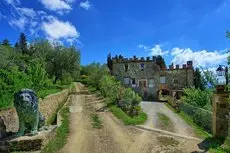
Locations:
(198, 80)
(209, 77)
(6, 42)
(41, 49)
(131, 100)
(197, 98)
(95, 72)
(109, 88)
(62, 60)
(19, 69)
(160, 61)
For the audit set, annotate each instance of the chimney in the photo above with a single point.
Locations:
(189, 64)
(184, 66)
(177, 66)
(172, 66)
(134, 58)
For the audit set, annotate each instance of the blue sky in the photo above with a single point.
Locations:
(179, 30)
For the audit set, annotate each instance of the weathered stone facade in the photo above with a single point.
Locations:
(146, 77)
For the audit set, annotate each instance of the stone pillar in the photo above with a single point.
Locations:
(220, 111)
(229, 125)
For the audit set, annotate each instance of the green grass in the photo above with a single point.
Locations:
(43, 93)
(61, 137)
(127, 120)
(96, 122)
(214, 144)
(165, 122)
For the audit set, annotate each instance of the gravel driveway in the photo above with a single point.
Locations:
(179, 125)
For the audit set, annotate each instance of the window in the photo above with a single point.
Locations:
(162, 79)
(151, 83)
(142, 66)
(142, 83)
(126, 81)
(133, 81)
(126, 67)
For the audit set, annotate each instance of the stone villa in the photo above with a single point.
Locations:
(148, 79)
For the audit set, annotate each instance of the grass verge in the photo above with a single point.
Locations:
(96, 122)
(165, 122)
(61, 136)
(43, 93)
(127, 120)
(214, 145)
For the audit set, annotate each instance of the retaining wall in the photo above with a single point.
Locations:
(48, 107)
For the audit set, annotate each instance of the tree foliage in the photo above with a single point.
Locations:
(196, 97)
(160, 61)
(35, 66)
(109, 87)
(95, 72)
(198, 80)
(6, 42)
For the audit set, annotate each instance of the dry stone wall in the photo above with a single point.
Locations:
(48, 107)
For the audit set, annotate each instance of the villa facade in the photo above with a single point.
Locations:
(148, 79)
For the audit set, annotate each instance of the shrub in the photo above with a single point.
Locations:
(127, 120)
(201, 117)
(196, 97)
(109, 88)
(130, 102)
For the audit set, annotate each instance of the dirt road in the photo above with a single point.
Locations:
(179, 125)
(114, 137)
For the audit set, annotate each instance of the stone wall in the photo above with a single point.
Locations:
(48, 107)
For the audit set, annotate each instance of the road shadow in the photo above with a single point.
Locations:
(210, 142)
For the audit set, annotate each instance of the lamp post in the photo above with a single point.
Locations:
(222, 76)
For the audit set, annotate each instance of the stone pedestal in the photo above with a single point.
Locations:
(28, 143)
(220, 113)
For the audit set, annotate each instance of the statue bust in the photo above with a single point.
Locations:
(30, 118)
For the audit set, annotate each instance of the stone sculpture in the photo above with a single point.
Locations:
(30, 118)
(2, 128)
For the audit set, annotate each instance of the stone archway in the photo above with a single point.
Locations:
(162, 94)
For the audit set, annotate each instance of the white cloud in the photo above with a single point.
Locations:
(146, 48)
(56, 30)
(36, 22)
(156, 50)
(13, 2)
(18, 23)
(202, 58)
(26, 12)
(56, 5)
(70, 1)
(86, 5)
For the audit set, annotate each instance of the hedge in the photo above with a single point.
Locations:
(201, 117)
